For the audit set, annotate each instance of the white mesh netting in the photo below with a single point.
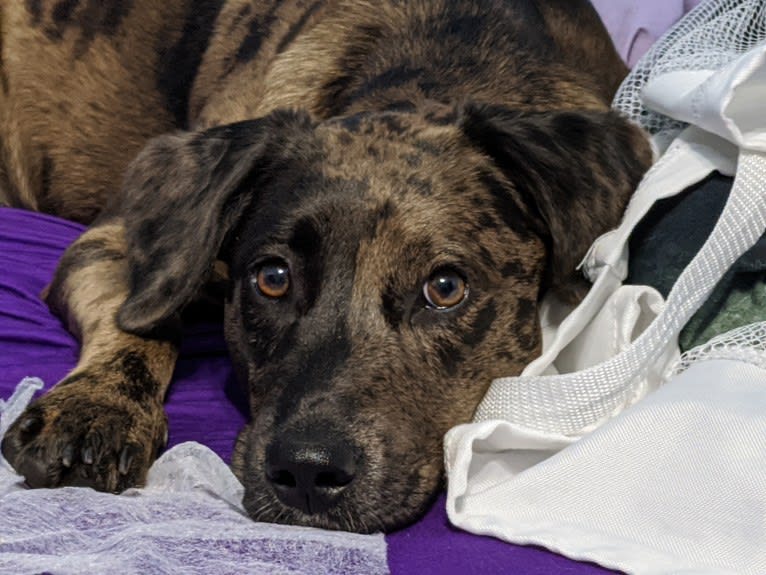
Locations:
(708, 38)
(747, 343)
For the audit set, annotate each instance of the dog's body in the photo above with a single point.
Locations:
(389, 185)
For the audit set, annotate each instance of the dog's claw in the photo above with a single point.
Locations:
(126, 458)
(87, 455)
(31, 425)
(67, 456)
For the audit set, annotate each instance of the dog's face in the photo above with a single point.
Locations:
(377, 288)
(384, 268)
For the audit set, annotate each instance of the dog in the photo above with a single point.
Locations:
(382, 191)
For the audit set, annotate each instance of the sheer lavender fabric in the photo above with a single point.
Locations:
(188, 519)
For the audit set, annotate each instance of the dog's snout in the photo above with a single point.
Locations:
(310, 473)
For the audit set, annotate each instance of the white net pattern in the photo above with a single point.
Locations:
(708, 38)
(746, 343)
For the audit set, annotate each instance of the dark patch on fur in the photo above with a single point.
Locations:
(243, 13)
(449, 354)
(512, 268)
(386, 211)
(305, 239)
(352, 123)
(393, 124)
(334, 94)
(401, 106)
(298, 26)
(486, 221)
(395, 77)
(138, 383)
(420, 185)
(428, 148)
(35, 9)
(85, 253)
(178, 66)
(526, 313)
(306, 242)
(62, 12)
(258, 30)
(392, 307)
(574, 129)
(313, 370)
(94, 18)
(481, 325)
(486, 257)
(505, 205)
(413, 160)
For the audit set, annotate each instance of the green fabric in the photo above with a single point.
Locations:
(671, 235)
(742, 302)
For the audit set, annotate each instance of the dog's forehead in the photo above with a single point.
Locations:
(364, 162)
(387, 143)
(394, 183)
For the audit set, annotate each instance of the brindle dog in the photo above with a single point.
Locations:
(386, 187)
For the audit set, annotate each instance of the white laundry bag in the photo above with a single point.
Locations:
(604, 449)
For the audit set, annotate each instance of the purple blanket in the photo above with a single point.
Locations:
(33, 342)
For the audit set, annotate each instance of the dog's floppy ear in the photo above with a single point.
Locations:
(181, 196)
(573, 170)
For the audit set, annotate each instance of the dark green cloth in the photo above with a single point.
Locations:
(669, 237)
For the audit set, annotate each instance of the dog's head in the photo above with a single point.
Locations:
(384, 268)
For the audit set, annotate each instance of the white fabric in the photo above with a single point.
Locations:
(675, 485)
(188, 519)
(603, 498)
(707, 39)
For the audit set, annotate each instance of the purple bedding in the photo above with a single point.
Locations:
(204, 402)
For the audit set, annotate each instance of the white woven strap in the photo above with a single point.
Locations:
(573, 404)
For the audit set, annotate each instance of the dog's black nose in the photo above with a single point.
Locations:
(310, 473)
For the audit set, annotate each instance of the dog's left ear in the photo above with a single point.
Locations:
(573, 171)
(182, 196)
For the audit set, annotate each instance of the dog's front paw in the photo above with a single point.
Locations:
(86, 434)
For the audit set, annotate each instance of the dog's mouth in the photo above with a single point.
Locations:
(344, 514)
(337, 486)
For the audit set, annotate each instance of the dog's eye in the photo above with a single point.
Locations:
(272, 279)
(445, 289)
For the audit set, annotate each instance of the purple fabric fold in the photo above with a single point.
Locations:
(635, 26)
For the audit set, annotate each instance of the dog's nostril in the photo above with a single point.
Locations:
(330, 479)
(282, 478)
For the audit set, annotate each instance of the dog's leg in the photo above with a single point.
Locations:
(104, 423)
(84, 86)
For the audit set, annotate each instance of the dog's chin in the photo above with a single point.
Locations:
(371, 506)
(347, 515)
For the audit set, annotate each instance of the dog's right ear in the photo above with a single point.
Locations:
(182, 195)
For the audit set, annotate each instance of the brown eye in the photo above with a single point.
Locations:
(272, 279)
(445, 289)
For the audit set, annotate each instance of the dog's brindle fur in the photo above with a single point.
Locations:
(368, 145)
